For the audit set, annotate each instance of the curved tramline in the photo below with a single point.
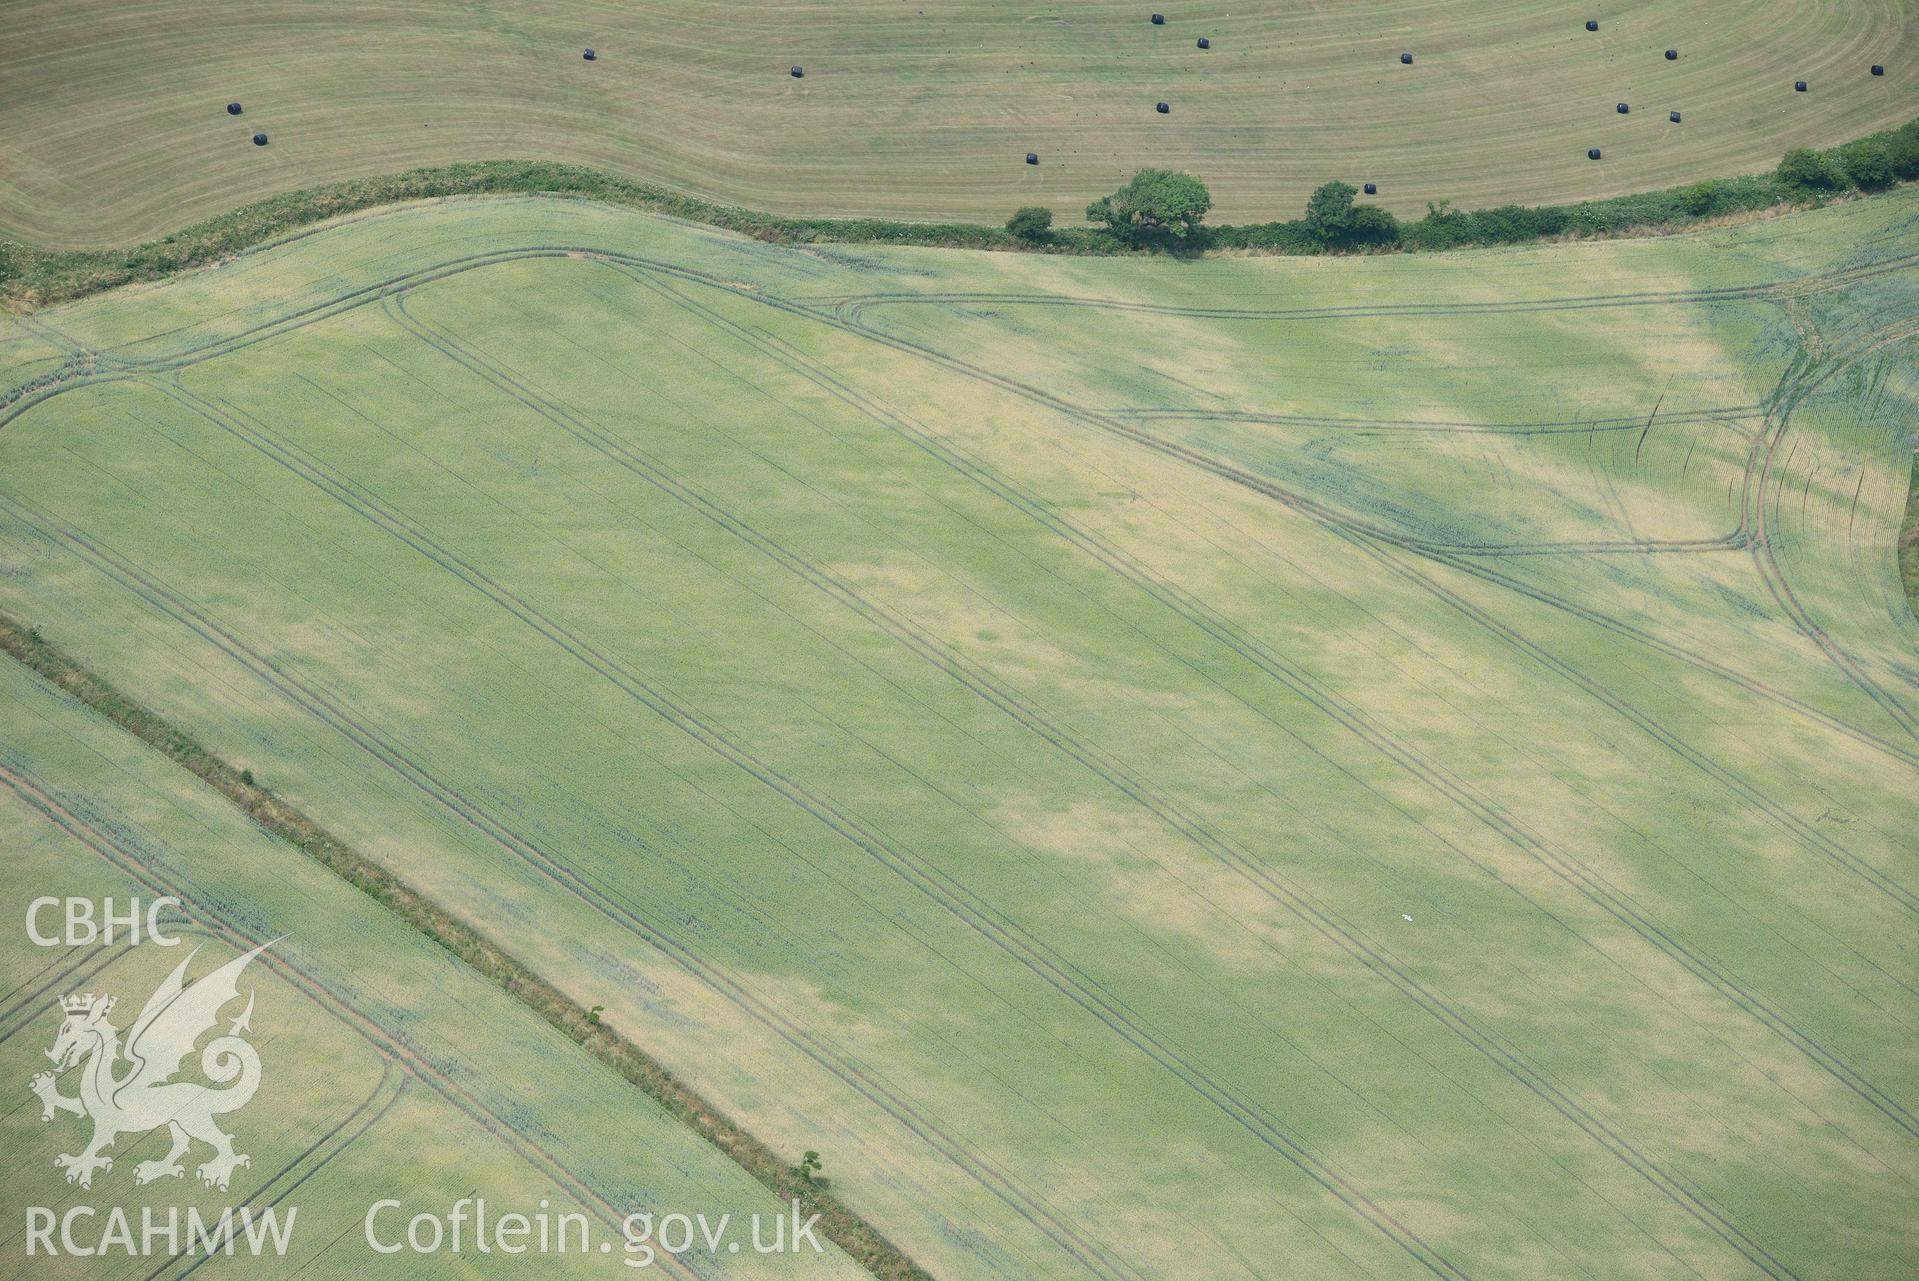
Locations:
(562, 417)
(657, 934)
(924, 113)
(327, 1155)
(1330, 778)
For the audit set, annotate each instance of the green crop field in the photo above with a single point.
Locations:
(388, 1070)
(1242, 768)
(116, 128)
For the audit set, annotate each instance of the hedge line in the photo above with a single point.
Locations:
(32, 277)
(1909, 541)
(280, 819)
(1804, 176)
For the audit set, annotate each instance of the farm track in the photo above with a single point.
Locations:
(128, 861)
(1460, 794)
(1359, 534)
(86, 373)
(41, 987)
(368, 1114)
(1891, 1107)
(1791, 289)
(846, 316)
(1353, 530)
(948, 894)
(1798, 383)
(1365, 536)
(848, 319)
(331, 712)
(1360, 530)
(850, 308)
(1034, 720)
(1730, 417)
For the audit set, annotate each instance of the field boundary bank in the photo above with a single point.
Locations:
(31, 277)
(861, 1241)
(1909, 541)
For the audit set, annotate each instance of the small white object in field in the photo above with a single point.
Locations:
(1404, 917)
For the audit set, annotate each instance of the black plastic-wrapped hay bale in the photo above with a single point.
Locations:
(1593, 154)
(1798, 86)
(1372, 189)
(1204, 43)
(233, 108)
(1406, 58)
(1591, 25)
(259, 140)
(1159, 19)
(1672, 55)
(1162, 108)
(1878, 70)
(1623, 108)
(798, 71)
(1032, 157)
(588, 54)
(1674, 117)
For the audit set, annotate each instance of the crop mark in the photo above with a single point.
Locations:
(1356, 531)
(1801, 379)
(952, 896)
(1439, 558)
(1089, 1253)
(1534, 847)
(982, 684)
(130, 863)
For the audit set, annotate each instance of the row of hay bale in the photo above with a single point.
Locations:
(1204, 42)
(234, 109)
(1159, 108)
(798, 72)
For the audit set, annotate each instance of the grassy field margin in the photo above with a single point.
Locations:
(858, 1238)
(1909, 541)
(31, 277)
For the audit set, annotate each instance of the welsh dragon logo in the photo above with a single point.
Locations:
(132, 1091)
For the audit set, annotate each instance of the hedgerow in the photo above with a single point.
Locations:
(31, 277)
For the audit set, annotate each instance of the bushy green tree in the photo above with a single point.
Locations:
(1156, 204)
(1329, 212)
(1903, 145)
(1371, 225)
(1868, 163)
(1033, 222)
(1810, 170)
(1698, 199)
(1335, 221)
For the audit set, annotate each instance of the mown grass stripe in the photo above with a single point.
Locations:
(31, 276)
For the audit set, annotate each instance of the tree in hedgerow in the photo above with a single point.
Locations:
(1335, 221)
(809, 1165)
(1329, 212)
(1156, 204)
(1371, 225)
(1697, 199)
(1033, 222)
(1810, 170)
(1868, 163)
(1902, 144)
